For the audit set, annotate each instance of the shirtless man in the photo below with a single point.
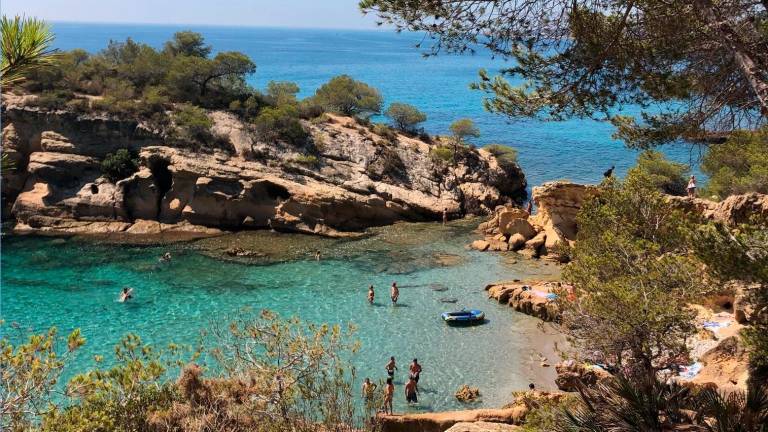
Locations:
(394, 293)
(368, 389)
(445, 215)
(371, 294)
(391, 367)
(411, 392)
(415, 370)
(126, 295)
(389, 393)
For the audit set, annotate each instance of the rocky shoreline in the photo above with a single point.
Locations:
(356, 179)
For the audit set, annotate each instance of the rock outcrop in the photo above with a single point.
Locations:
(533, 298)
(734, 210)
(355, 178)
(571, 375)
(511, 228)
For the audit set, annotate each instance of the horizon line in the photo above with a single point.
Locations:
(253, 26)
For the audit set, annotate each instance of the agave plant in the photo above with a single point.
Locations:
(735, 411)
(623, 404)
(26, 45)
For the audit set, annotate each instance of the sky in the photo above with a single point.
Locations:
(339, 14)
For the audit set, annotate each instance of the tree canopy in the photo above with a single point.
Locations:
(405, 117)
(347, 96)
(694, 67)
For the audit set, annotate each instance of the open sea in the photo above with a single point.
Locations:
(73, 283)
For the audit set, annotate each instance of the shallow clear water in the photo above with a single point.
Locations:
(75, 283)
(578, 150)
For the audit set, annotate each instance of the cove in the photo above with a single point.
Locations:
(73, 283)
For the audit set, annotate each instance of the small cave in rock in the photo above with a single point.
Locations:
(94, 188)
(275, 191)
(162, 178)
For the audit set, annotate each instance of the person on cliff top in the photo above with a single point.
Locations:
(394, 293)
(411, 391)
(415, 371)
(368, 389)
(445, 215)
(691, 189)
(391, 367)
(389, 393)
(371, 294)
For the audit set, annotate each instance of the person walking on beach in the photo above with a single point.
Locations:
(411, 391)
(394, 293)
(691, 189)
(415, 371)
(371, 294)
(391, 367)
(389, 393)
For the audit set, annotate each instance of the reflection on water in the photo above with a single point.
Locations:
(74, 283)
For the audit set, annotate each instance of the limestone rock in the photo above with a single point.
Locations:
(516, 226)
(529, 297)
(558, 203)
(482, 426)
(536, 244)
(516, 241)
(480, 245)
(571, 374)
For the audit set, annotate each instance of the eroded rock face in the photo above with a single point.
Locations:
(734, 210)
(361, 179)
(533, 298)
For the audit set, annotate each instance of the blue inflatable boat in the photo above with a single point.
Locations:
(464, 316)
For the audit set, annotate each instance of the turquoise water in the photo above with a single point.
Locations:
(579, 150)
(74, 284)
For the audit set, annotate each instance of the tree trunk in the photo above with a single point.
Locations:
(741, 52)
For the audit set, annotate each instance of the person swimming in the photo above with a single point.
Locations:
(126, 294)
(166, 257)
(394, 293)
(371, 294)
(317, 255)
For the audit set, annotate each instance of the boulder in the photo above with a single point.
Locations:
(516, 226)
(442, 421)
(536, 244)
(480, 245)
(558, 203)
(528, 297)
(571, 375)
(516, 241)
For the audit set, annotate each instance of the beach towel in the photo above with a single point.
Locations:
(690, 372)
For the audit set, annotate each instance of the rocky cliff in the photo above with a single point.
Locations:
(355, 178)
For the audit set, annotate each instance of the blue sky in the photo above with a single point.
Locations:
(274, 13)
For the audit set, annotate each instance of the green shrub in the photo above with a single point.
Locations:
(666, 176)
(193, 124)
(53, 100)
(281, 123)
(120, 165)
(344, 95)
(308, 109)
(249, 107)
(738, 166)
(385, 132)
(505, 156)
(441, 154)
(309, 160)
(405, 117)
(282, 92)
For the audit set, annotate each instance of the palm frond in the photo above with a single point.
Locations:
(26, 45)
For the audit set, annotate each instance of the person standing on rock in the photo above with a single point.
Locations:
(389, 393)
(394, 293)
(371, 294)
(691, 189)
(529, 207)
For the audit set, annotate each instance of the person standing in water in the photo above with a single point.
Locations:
(411, 391)
(371, 294)
(394, 293)
(126, 295)
(317, 255)
(691, 189)
(389, 393)
(415, 371)
(391, 367)
(445, 215)
(368, 389)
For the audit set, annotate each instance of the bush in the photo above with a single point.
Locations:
(441, 154)
(385, 132)
(309, 160)
(505, 156)
(280, 123)
(738, 166)
(120, 165)
(192, 124)
(309, 109)
(282, 92)
(664, 175)
(249, 107)
(405, 117)
(344, 95)
(53, 100)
